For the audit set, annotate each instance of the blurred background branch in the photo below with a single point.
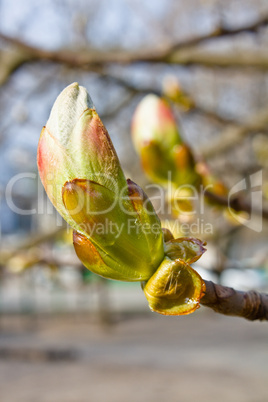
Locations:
(184, 52)
(207, 59)
(232, 135)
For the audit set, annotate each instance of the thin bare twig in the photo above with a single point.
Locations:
(237, 203)
(234, 134)
(134, 89)
(185, 53)
(117, 108)
(251, 305)
(32, 241)
(221, 31)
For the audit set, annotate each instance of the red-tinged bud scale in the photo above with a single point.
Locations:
(164, 156)
(117, 233)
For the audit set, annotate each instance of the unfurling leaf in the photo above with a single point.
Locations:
(117, 233)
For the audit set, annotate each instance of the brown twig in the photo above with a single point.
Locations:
(233, 134)
(237, 203)
(221, 32)
(185, 53)
(195, 108)
(32, 241)
(251, 305)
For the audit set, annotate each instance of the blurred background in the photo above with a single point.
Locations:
(66, 334)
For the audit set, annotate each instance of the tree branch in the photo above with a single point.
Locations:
(237, 203)
(118, 108)
(221, 31)
(234, 134)
(184, 53)
(195, 108)
(29, 242)
(251, 305)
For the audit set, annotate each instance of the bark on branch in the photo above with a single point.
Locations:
(186, 53)
(251, 305)
(237, 203)
(233, 134)
(221, 31)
